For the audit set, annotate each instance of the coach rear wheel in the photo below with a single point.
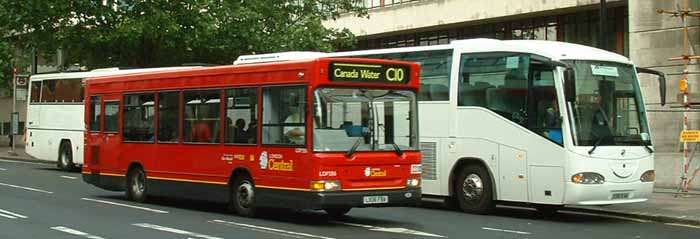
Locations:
(473, 190)
(243, 196)
(136, 185)
(65, 157)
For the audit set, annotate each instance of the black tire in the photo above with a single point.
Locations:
(548, 210)
(242, 196)
(337, 212)
(65, 157)
(136, 185)
(473, 190)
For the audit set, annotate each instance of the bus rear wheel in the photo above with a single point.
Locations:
(136, 185)
(473, 190)
(65, 157)
(242, 198)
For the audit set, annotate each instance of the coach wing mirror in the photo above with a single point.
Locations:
(569, 84)
(662, 82)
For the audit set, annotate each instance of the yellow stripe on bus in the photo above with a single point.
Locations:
(188, 180)
(283, 188)
(111, 174)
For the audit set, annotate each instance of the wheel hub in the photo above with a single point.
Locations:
(472, 187)
(245, 194)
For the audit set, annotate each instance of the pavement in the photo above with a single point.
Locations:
(665, 205)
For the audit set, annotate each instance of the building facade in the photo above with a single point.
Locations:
(632, 28)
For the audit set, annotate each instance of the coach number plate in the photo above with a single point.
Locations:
(620, 196)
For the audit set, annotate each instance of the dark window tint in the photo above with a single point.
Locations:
(202, 122)
(95, 112)
(35, 91)
(48, 91)
(241, 116)
(168, 115)
(138, 117)
(284, 115)
(112, 117)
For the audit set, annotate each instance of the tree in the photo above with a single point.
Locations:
(149, 33)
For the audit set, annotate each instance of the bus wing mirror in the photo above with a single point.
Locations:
(569, 84)
(662, 82)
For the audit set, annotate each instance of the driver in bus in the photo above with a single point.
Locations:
(294, 134)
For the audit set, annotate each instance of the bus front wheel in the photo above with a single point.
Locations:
(65, 157)
(473, 190)
(242, 199)
(136, 185)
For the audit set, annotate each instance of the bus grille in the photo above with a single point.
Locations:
(429, 150)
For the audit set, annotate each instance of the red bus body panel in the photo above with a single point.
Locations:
(204, 171)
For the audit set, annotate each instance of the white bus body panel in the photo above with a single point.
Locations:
(49, 124)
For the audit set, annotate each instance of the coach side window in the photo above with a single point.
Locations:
(168, 116)
(241, 116)
(139, 114)
(95, 113)
(284, 115)
(35, 91)
(202, 120)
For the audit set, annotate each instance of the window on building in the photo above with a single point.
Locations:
(168, 116)
(112, 117)
(139, 114)
(241, 116)
(284, 115)
(202, 122)
(497, 81)
(95, 113)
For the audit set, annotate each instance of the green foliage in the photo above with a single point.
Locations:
(5, 65)
(147, 33)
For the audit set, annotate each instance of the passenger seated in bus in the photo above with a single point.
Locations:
(252, 131)
(240, 135)
(201, 132)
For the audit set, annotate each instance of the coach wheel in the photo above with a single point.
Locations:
(337, 212)
(243, 196)
(473, 190)
(136, 185)
(65, 157)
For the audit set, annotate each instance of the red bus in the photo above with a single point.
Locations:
(324, 134)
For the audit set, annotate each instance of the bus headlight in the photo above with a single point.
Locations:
(588, 178)
(413, 182)
(325, 186)
(648, 176)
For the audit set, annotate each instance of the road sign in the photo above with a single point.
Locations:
(690, 136)
(14, 125)
(21, 94)
(21, 80)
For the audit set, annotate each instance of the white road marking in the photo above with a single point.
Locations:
(683, 225)
(174, 230)
(16, 215)
(125, 205)
(609, 216)
(505, 230)
(24, 162)
(69, 177)
(7, 216)
(76, 232)
(2, 169)
(274, 230)
(391, 229)
(26, 188)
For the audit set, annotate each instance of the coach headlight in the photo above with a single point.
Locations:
(325, 186)
(648, 176)
(588, 178)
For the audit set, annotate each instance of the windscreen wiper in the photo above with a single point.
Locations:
(352, 149)
(595, 145)
(398, 150)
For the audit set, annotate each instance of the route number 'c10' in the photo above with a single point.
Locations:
(394, 74)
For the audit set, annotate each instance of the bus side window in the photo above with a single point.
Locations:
(112, 117)
(168, 116)
(95, 113)
(284, 115)
(202, 122)
(35, 91)
(139, 114)
(241, 116)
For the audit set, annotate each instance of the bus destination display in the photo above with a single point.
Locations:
(358, 72)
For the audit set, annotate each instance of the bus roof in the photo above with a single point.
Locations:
(551, 49)
(102, 72)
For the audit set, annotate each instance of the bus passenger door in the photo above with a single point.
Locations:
(94, 133)
(111, 138)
